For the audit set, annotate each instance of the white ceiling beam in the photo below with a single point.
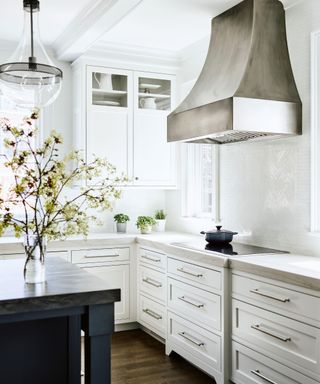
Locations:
(92, 23)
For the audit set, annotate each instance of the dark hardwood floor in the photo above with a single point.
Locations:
(138, 358)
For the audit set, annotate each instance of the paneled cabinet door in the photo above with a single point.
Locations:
(109, 117)
(116, 276)
(154, 158)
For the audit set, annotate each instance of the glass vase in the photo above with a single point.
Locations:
(35, 249)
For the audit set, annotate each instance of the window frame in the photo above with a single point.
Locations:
(191, 176)
(315, 133)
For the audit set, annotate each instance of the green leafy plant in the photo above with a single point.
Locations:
(43, 185)
(160, 215)
(143, 222)
(121, 218)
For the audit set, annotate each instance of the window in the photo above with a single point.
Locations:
(15, 115)
(200, 184)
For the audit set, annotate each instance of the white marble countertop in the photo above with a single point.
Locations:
(293, 269)
(290, 268)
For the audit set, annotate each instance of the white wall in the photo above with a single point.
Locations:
(265, 187)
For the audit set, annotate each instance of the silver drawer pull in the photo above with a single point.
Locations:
(257, 292)
(189, 273)
(100, 256)
(189, 338)
(152, 314)
(265, 331)
(150, 258)
(152, 282)
(263, 377)
(182, 298)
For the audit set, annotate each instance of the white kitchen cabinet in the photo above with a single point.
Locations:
(152, 290)
(116, 121)
(153, 156)
(250, 367)
(116, 267)
(109, 115)
(276, 320)
(197, 323)
(116, 276)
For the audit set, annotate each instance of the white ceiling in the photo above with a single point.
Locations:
(169, 24)
(158, 24)
(55, 16)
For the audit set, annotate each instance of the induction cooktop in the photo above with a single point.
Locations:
(229, 249)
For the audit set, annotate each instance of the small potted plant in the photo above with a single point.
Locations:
(145, 223)
(121, 220)
(160, 219)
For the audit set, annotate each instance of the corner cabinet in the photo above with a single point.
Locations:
(123, 117)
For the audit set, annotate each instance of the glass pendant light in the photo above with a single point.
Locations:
(29, 78)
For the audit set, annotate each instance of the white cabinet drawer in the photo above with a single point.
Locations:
(100, 255)
(195, 304)
(201, 347)
(12, 256)
(152, 315)
(152, 282)
(116, 276)
(276, 298)
(249, 367)
(63, 254)
(288, 341)
(156, 259)
(201, 276)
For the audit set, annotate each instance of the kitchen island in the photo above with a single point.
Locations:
(40, 325)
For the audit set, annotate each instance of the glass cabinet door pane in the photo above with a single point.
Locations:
(154, 94)
(109, 89)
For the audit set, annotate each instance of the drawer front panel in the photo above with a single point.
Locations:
(203, 345)
(12, 256)
(116, 276)
(289, 341)
(152, 315)
(156, 259)
(249, 367)
(190, 272)
(195, 304)
(152, 282)
(63, 254)
(290, 302)
(100, 255)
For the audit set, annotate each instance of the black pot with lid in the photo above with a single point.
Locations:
(218, 235)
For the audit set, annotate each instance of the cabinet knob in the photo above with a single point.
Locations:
(136, 178)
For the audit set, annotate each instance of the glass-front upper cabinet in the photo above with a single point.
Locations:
(153, 93)
(108, 88)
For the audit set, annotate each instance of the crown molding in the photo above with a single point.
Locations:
(93, 22)
(134, 53)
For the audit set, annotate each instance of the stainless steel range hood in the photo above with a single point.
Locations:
(246, 90)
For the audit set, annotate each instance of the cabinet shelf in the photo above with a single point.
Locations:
(97, 91)
(155, 95)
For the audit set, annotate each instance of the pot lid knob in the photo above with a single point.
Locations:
(219, 227)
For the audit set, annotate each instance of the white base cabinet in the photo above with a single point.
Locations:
(116, 277)
(115, 265)
(152, 290)
(275, 332)
(251, 367)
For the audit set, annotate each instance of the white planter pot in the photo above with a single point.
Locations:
(146, 230)
(160, 225)
(121, 227)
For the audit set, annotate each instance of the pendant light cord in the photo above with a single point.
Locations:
(31, 24)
